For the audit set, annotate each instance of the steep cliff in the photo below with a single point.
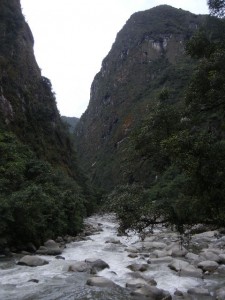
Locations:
(43, 193)
(27, 102)
(147, 57)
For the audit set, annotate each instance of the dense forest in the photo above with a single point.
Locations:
(153, 135)
(183, 145)
(43, 192)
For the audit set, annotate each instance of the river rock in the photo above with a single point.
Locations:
(214, 250)
(136, 283)
(99, 264)
(50, 248)
(178, 293)
(138, 267)
(132, 249)
(60, 257)
(221, 269)
(208, 255)
(100, 282)
(206, 235)
(152, 293)
(133, 255)
(220, 294)
(208, 265)
(96, 265)
(53, 248)
(176, 250)
(222, 258)
(153, 245)
(113, 241)
(138, 275)
(198, 291)
(33, 280)
(191, 256)
(42, 250)
(32, 261)
(191, 271)
(160, 260)
(177, 265)
(160, 253)
(79, 266)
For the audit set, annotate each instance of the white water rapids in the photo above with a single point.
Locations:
(55, 282)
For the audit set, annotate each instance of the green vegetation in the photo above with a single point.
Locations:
(147, 57)
(43, 192)
(37, 200)
(183, 145)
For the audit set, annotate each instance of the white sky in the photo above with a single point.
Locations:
(73, 36)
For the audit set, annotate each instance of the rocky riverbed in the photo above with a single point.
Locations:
(99, 264)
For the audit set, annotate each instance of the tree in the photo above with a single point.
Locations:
(217, 7)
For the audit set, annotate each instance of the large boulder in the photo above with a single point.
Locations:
(136, 283)
(100, 282)
(209, 255)
(32, 261)
(160, 253)
(177, 265)
(96, 265)
(42, 250)
(192, 257)
(208, 265)
(191, 271)
(79, 266)
(153, 245)
(176, 250)
(50, 248)
(138, 267)
(53, 248)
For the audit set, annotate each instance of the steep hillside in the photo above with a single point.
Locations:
(147, 58)
(43, 193)
(27, 103)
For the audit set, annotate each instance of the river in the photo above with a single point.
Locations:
(55, 282)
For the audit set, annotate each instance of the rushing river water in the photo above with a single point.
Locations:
(55, 282)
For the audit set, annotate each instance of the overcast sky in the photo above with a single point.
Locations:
(73, 36)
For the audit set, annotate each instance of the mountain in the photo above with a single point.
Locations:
(27, 103)
(147, 59)
(43, 193)
(71, 122)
